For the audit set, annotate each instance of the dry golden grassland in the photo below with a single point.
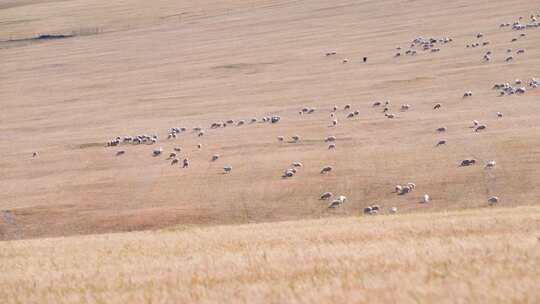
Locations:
(488, 255)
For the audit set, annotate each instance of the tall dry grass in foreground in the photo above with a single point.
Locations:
(488, 255)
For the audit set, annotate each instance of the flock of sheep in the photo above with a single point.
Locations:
(432, 45)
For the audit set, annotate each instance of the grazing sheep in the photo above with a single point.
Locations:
(391, 116)
(350, 115)
(215, 157)
(347, 107)
(118, 153)
(392, 210)
(332, 115)
(493, 200)
(441, 142)
(326, 169)
(337, 202)
(280, 138)
(405, 190)
(368, 210)
(386, 109)
(199, 146)
(480, 127)
(405, 107)
(475, 124)
(295, 138)
(157, 151)
(442, 129)
(490, 164)
(467, 162)
(425, 198)
(499, 114)
(174, 161)
(398, 188)
(275, 119)
(509, 58)
(437, 106)
(326, 195)
(376, 104)
(330, 139)
(177, 149)
(227, 169)
(334, 108)
(411, 185)
(467, 94)
(334, 122)
(200, 134)
(185, 163)
(172, 155)
(521, 90)
(331, 146)
(345, 60)
(289, 173)
(297, 164)
(356, 113)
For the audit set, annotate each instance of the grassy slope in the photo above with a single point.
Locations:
(480, 256)
(240, 59)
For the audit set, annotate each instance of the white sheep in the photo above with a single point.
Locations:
(392, 210)
(490, 164)
(297, 164)
(227, 169)
(493, 200)
(331, 146)
(280, 138)
(289, 173)
(295, 138)
(215, 157)
(398, 188)
(425, 198)
(330, 139)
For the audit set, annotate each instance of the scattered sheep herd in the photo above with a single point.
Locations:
(425, 44)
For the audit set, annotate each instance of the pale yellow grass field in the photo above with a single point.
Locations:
(480, 256)
(147, 72)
